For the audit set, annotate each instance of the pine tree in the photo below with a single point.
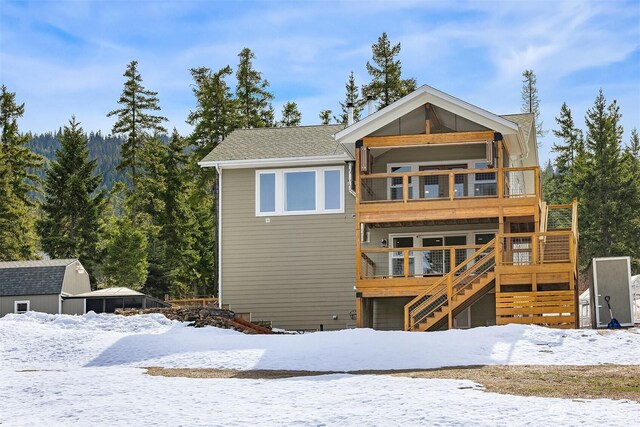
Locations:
(325, 117)
(630, 203)
(18, 159)
(203, 206)
(177, 222)
(387, 84)
(135, 121)
(290, 115)
(125, 261)
(254, 100)
(530, 101)
(568, 147)
(601, 218)
(216, 113)
(17, 235)
(17, 223)
(351, 96)
(70, 226)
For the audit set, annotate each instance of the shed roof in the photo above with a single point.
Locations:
(278, 143)
(111, 292)
(32, 277)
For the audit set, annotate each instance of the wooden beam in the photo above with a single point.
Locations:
(358, 248)
(428, 121)
(428, 139)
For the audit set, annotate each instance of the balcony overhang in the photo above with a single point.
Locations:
(427, 210)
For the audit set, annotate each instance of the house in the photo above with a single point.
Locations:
(426, 214)
(42, 286)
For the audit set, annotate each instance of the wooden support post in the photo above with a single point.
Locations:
(500, 182)
(427, 107)
(405, 188)
(452, 185)
(537, 183)
(571, 248)
(357, 212)
(452, 259)
(536, 218)
(407, 320)
(449, 301)
(498, 262)
(359, 312)
(406, 262)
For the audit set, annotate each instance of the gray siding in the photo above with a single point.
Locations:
(297, 271)
(43, 303)
(74, 282)
(73, 306)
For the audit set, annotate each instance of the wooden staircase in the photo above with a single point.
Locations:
(454, 292)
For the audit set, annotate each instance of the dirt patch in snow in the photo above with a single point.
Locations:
(573, 382)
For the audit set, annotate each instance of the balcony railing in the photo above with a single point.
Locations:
(538, 248)
(449, 184)
(516, 249)
(388, 263)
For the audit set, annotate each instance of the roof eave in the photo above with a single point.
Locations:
(275, 162)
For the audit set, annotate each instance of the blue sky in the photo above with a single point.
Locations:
(67, 57)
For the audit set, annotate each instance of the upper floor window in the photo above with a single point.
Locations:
(300, 191)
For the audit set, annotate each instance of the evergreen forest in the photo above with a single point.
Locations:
(139, 212)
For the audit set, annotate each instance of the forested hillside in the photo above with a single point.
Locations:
(105, 150)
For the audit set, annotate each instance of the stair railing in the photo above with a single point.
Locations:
(431, 299)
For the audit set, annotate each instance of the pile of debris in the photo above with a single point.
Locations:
(202, 316)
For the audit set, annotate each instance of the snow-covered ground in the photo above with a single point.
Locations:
(79, 370)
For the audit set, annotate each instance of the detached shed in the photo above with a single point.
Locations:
(108, 299)
(42, 286)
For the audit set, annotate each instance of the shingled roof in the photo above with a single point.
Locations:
(278, 143)
(524, 121)
(32, 277)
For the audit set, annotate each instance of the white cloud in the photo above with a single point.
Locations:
(475, 50)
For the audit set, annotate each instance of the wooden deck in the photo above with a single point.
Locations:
(532, 273)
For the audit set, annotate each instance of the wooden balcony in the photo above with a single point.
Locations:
(388, 272)
(448, 194)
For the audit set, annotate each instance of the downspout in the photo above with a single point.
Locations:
(525, 152)
(351, 169)
(219, 230)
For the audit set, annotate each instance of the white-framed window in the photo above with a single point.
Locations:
(21, 306)
(300, 191)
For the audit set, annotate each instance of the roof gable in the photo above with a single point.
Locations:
(38, 277)
(421, 96)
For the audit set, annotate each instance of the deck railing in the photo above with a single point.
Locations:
(450, 184)
(389, 263)
(537, 248)
(443, 291)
